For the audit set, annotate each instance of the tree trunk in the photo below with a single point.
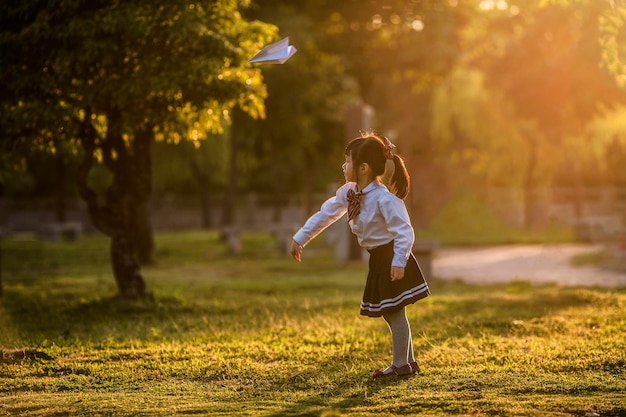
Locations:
(144, 237)
(278, 187)
(61, 206)
(415, 145)
(203, 182)
(228, 213)
(529, 218)
(229, 232)
(1, 284)
(123, 214)
(578, 193)
(207, 209)
(141, 166)
(126, 269)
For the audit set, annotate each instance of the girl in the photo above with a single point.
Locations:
(379, 219)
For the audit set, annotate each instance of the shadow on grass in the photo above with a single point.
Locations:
(62, 316)
(453, 309)
(325, 403)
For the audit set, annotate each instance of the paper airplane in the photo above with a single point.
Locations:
(276, 53)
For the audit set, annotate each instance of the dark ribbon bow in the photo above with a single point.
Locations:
(354, 203)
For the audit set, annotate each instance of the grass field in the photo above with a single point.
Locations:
(261, 335)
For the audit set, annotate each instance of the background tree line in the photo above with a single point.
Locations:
(113, 101)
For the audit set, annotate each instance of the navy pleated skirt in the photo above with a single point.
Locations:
(381, 295)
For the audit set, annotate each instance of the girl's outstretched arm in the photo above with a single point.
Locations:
(296, 251)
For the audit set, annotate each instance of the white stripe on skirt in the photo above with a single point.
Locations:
(396, 301)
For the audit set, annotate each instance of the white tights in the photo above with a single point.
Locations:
(402, 345)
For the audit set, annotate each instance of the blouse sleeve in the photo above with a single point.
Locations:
(330, 212)
(399, 225)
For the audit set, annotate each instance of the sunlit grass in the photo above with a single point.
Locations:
(263, 335)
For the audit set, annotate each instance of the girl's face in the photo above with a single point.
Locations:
(348, 169)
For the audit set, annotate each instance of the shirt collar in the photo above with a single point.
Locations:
(369, 187)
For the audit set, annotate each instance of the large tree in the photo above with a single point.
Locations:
(112, 77)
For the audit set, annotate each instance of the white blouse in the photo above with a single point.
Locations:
(383, 218)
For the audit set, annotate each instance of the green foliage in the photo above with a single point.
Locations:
(391, 41)
(263, 335)
(468, 219)
(13, 177)
(474, 130)
(607, 146)
(176, 165)
(177, 68)
(466, 215)
(304, 128)
(154, 62)
(612, 37)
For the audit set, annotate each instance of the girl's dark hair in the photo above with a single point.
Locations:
(371, 149)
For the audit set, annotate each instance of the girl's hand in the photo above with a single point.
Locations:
(397, 273)
(296, 250)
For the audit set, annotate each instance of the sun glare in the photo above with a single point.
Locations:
(493, 5)
(377, 21)
(417, 25)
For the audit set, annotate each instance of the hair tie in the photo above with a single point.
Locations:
(389, 148)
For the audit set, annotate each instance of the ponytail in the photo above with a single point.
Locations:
(400, 181)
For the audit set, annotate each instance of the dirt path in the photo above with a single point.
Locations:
(533, 263)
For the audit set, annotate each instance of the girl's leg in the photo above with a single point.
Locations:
(402, 345)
